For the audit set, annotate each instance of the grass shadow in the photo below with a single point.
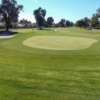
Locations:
(47, 29)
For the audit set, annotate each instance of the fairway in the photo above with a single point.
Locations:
(46, 65)
(59, 42)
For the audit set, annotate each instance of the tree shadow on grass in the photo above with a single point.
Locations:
(9, 33)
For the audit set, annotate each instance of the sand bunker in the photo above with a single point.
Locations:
(4, 35)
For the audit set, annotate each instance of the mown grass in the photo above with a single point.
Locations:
(35, 74)
(59, 42)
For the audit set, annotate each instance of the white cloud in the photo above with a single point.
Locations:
(29, 17)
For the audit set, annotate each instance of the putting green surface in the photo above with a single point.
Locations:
(59, 42)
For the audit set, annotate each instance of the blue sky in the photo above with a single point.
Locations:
(58, 9)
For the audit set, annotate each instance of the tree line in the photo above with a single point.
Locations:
(40, 14)
(41, 22)
(9, 11)
(94, 22)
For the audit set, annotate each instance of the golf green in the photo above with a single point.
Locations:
(59, 42)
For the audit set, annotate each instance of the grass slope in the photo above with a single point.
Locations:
(35, 74)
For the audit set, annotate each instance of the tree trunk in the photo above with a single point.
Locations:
(7, 21)
(7, 27)
(40, 28)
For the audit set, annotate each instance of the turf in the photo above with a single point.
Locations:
(59, 42)
(38, 74)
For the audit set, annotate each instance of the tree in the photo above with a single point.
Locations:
(67, 23)
(98, 12)
(25, 23)
(40, 17)
(46, 24)
(62, 23)
(10, 11)
(86, 22)
(71, 24)
(83, 23)
(95, 20)
(50, 21)
(79, 23)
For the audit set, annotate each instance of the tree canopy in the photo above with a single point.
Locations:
(50, 21)
(9, 10)
(40, 17)
(83, 23)
(95, 20)
(25, 23)
(62, 23)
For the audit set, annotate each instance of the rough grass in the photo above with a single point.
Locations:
(35, 74)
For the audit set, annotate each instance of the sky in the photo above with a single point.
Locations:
(72, 10)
